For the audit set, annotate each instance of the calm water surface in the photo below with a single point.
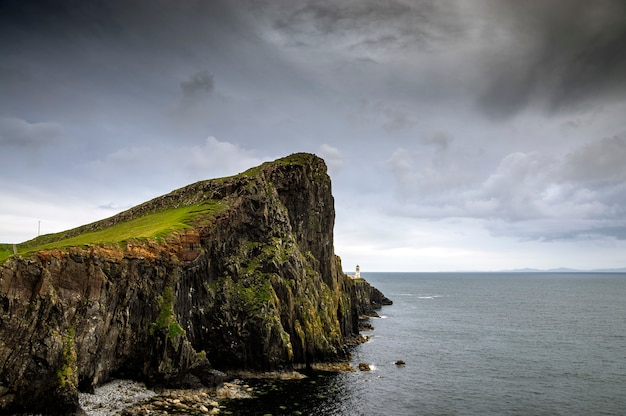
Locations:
(476, 344)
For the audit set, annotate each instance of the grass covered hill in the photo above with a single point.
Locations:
(159, 218)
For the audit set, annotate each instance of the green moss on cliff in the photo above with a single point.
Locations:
(166, 320)
(68, 373)
(257, 296)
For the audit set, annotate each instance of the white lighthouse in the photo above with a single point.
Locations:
(357, 275)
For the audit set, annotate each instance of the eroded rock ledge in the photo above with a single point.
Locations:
(254, 285)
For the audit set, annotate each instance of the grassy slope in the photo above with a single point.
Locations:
(155, 225)
(5, 251)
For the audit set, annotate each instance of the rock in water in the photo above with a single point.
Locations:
(231, 273)
(364, 367)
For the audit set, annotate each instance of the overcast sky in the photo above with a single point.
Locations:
(459, 134)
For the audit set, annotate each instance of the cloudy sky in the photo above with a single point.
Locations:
(459, 134)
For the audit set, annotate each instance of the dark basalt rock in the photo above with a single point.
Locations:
(257, 286)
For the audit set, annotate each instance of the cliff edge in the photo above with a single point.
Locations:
(230, 273)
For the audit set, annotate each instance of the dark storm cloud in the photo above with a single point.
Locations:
(313, 19)
(558, 54)
(508, 55)
(362, 26)
(112, 21)
(133, 49)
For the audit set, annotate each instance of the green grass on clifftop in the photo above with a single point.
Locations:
(150, 226)
(5, 251)
(293, 159)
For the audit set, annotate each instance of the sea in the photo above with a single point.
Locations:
(474, 344)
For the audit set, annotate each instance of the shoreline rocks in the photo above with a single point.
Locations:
(187, 402)
(113, 397)
(128, 397)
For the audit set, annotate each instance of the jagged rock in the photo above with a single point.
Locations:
(253, 285)
(364, 367)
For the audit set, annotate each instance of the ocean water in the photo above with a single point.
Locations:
(475, 344)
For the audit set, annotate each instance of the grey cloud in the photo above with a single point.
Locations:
(332, 157)
(200, 84)
(435, 173)
(617, 232)
(177, 165)
(602, 161)
(361, 26)
(505, 56)
(20, 133)
(586, 186)
(518, 185)
(99, 57)
(558, 53)
(510, 89)
(439, 139)
(393, 117)
(397, 119)
(194, 109)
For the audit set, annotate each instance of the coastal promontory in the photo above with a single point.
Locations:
(223, 274)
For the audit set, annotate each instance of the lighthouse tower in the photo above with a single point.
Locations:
(357, 275)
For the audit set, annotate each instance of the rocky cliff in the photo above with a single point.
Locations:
(244, 276)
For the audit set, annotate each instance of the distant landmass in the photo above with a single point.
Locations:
(566, 270)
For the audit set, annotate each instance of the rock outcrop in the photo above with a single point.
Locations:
(252, 285)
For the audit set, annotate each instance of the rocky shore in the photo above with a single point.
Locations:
(127, 397)
(114, 397)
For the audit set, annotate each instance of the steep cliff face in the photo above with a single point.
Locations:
(250, 281)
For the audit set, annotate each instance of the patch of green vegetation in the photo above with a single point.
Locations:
(257, 295)
(157, 225)
(293, 159)
(68, 374)
(166, 321)
(252, 171)
(296, 159)
(6, 250)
